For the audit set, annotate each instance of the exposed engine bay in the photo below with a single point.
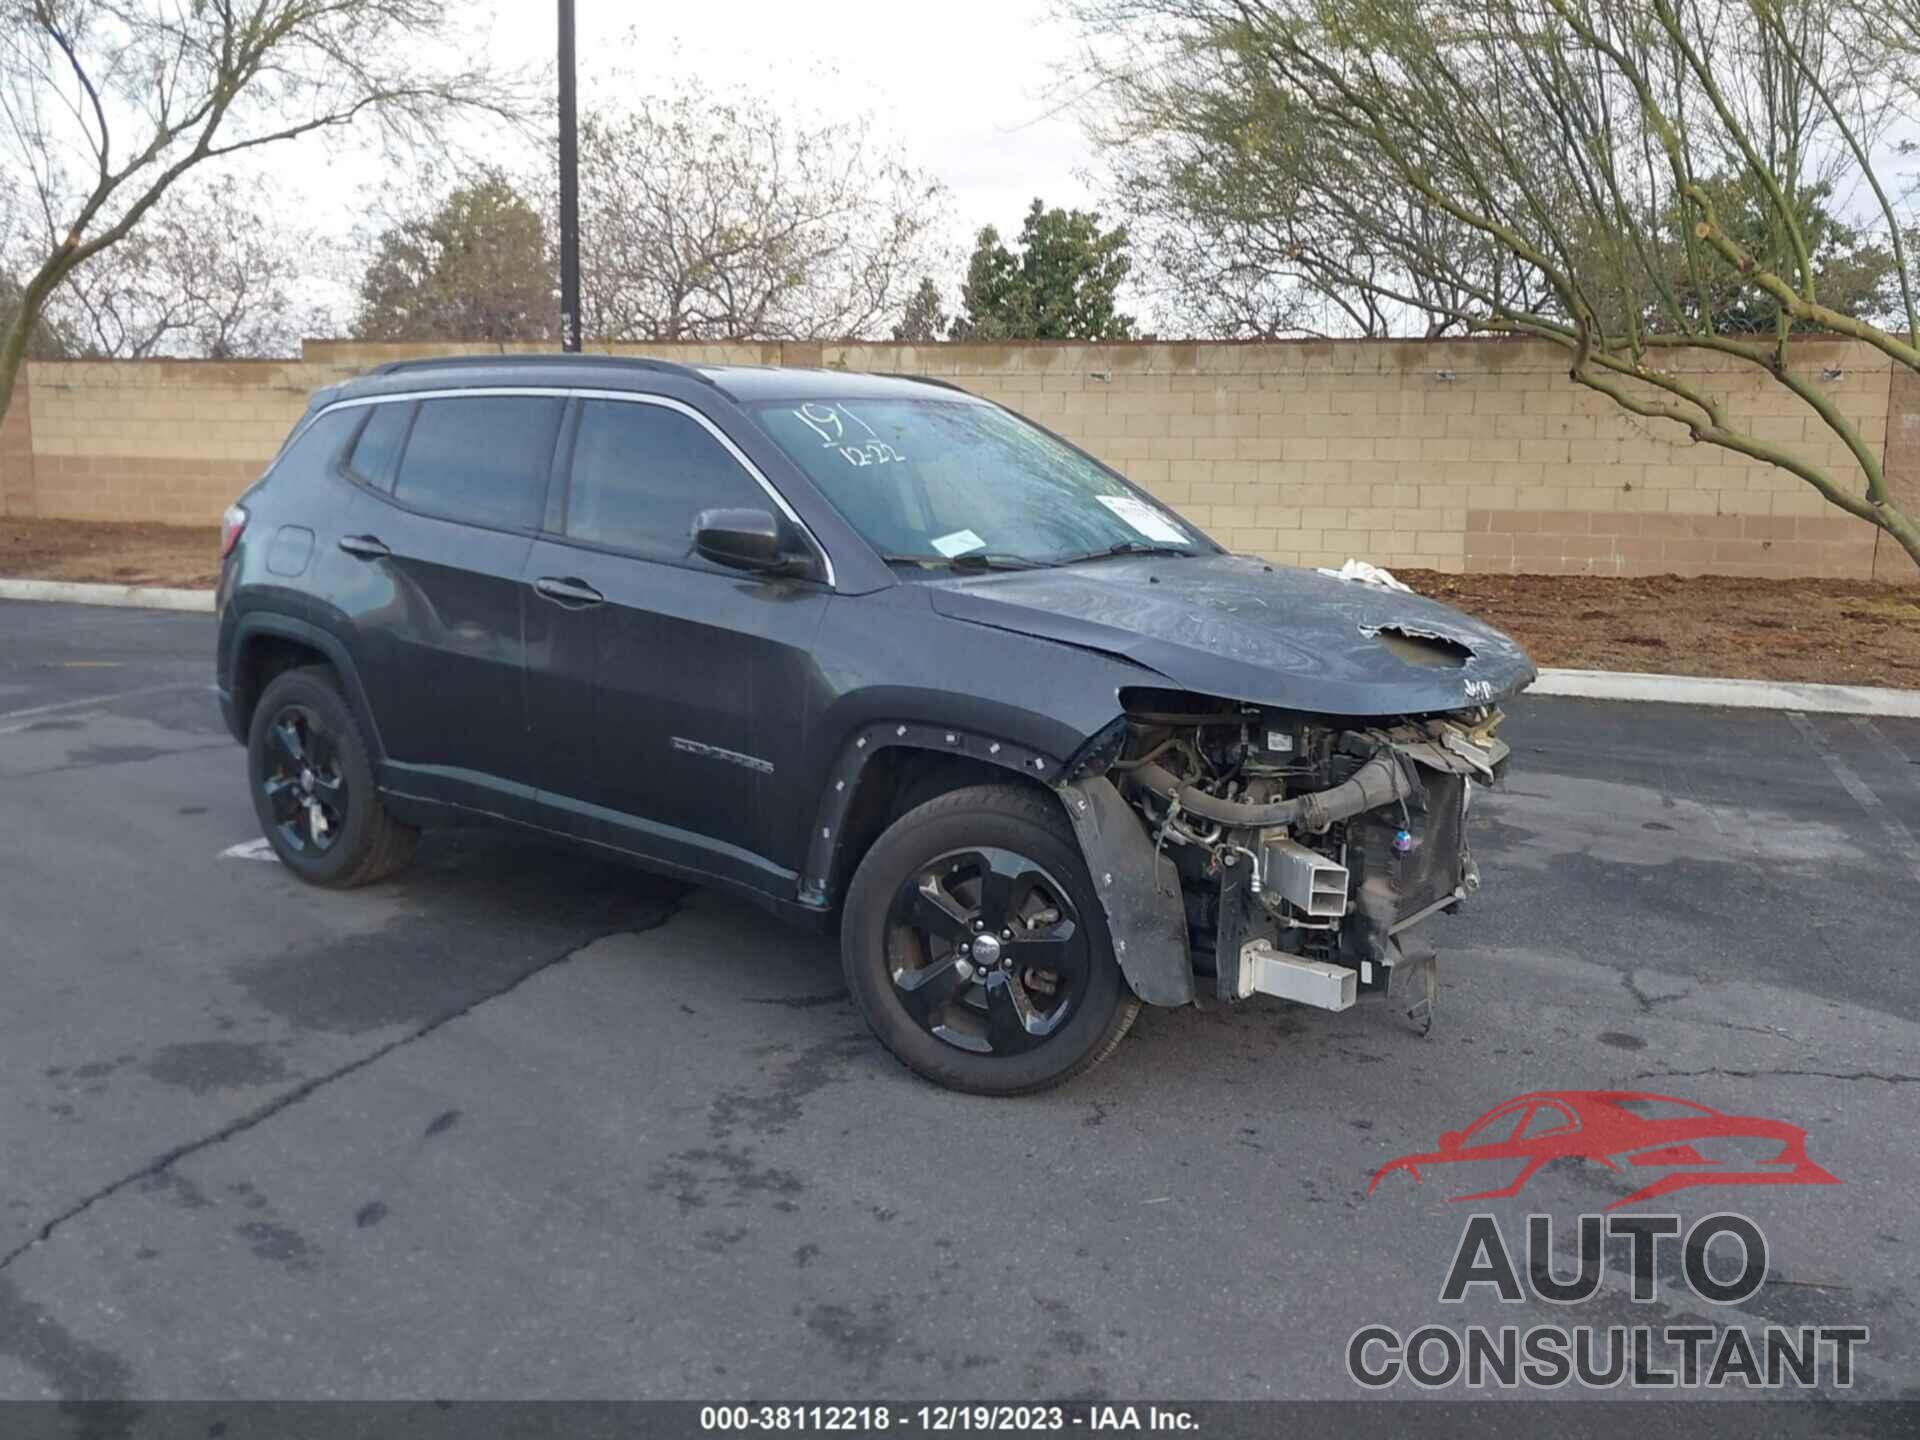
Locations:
(1307, 846)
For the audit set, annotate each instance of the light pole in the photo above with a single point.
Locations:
(569, 189)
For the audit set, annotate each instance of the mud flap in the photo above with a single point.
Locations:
(1415, 980)
(1139, 890)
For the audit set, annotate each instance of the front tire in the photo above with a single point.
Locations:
(975, 945)
(311, 774)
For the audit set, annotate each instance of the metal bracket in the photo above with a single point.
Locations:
(1416, 967)
(1268, 971)
(1139, 890)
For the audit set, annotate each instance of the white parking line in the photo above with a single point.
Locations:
(1880, 742)
(92, 702)
(250, 850)
(1898, 836)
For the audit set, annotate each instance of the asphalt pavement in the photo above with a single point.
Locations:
(522, 1123)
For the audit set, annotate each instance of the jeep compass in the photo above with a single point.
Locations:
(878, 655)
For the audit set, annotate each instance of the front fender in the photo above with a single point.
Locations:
(824, 850)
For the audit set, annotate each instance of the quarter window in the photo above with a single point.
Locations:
(317, 449)
(641, 473)
(379, 444)
(482, 460)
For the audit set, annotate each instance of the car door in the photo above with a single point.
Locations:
(696, 672)
(439, 642)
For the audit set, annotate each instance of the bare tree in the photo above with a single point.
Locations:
(45, 339)
(1638, 182)
(712, 217)
(212, 273)
(106, 104)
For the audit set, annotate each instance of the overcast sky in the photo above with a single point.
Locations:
(969, 92)
(969, 89)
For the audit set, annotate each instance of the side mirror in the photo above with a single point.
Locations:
(746, 540)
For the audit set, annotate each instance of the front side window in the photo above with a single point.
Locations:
(482, 460)
(642, 473)
(933, 481)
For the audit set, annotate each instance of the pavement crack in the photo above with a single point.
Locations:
(1888, 1078)
(1645, 1001)
(307, 1088)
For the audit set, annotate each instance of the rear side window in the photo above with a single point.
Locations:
(482, 460)
(641, 473)
(371, 461)
(317, 448)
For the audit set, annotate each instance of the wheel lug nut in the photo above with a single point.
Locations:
(979, 924)
(1006, 934)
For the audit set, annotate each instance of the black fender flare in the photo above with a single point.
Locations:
(287, 627)
(817, 879)
(1139, 889)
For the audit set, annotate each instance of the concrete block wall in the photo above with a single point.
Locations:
(1452, 455)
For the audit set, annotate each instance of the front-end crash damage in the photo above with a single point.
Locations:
(1291, 852)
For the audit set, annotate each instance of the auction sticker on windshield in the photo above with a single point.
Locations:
(1144, 518)
(958, 543)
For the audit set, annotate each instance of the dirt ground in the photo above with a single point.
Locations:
(187, 556)
(1837, 631)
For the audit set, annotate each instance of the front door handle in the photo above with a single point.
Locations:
(367, 547)
(568, 591)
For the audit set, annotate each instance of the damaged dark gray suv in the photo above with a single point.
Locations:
(871, 652)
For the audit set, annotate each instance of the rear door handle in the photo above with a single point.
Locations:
(367, 547)
(568, 591)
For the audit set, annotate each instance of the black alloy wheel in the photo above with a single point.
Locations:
(311, 773)
(977, 948)
(306, 792)
(986, 950)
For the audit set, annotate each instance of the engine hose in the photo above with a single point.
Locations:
(1379, 782)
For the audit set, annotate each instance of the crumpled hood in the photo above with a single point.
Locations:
(1241, 629)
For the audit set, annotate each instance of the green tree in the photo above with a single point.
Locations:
(924, 317)
(1641, 183)
(1855, 273)
(1062, 285)
(473, 269)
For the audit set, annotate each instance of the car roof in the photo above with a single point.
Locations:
(792, 382)
(641, 374)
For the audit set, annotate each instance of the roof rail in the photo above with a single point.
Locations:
(924, 380)
(621, 362)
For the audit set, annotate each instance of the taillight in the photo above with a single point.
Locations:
(231, 524)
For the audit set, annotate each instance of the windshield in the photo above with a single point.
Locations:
(935, 481)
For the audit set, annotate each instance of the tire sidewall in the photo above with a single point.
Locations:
(309, 689)
(909, 844)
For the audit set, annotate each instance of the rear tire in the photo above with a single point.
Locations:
(310, 771)
(976, 947)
